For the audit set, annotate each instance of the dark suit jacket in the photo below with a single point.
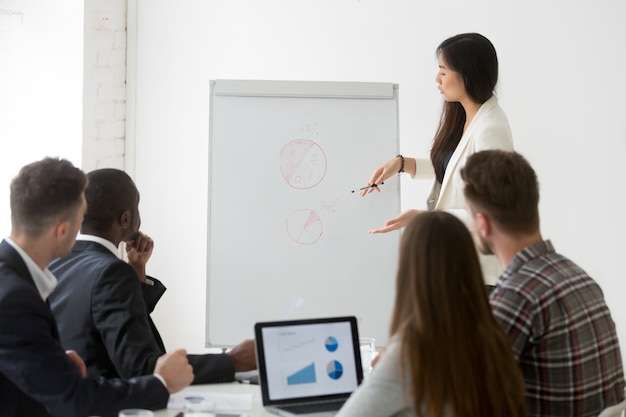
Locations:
(103, 312)
(36, 378)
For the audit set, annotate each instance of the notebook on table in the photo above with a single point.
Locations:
(308, 367)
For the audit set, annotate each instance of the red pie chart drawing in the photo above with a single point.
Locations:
(302, 163)
(304, 227)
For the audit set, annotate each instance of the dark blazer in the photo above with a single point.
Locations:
(103, 313)
(36, 378)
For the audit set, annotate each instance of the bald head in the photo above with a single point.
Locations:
(110, 193)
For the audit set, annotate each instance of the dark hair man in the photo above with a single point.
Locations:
(37, 377)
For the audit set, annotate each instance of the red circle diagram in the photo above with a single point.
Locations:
(302, 163)
(304, 226)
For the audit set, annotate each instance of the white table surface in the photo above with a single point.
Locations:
(230, 388)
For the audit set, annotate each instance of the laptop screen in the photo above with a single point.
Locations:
(308, 359)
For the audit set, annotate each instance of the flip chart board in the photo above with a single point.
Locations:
(287, 237)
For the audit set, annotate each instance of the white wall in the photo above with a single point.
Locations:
(104, 86)
(62, 86)
(561, 84)
(41, 71)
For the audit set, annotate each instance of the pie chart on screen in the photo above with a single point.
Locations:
(331, 343)
(334, 369)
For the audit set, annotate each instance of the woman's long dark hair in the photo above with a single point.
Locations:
(459, 359)
(474, 58)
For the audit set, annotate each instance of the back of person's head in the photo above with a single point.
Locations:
(43, 193)
(460, 359)
(474, 57)
(503, 185)
(437, 254)
(110, 192)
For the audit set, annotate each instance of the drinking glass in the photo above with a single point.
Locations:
(198, 407)
(368, 353)
(135, 412)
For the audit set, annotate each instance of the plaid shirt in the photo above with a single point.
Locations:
(562, 334)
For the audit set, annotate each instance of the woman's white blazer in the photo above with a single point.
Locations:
(488, 130)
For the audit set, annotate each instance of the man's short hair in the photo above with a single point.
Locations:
(504, 186)
(44, 192)
(110, 192)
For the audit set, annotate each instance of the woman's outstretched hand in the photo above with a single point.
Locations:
(397, 223)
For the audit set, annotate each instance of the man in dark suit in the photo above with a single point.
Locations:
(37, 377)
(103, 304)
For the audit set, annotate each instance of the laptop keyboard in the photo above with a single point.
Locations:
(313, 407)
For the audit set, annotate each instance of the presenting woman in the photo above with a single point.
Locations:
(471, 121)
(447, 355)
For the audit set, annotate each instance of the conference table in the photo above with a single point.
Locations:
(237, 391)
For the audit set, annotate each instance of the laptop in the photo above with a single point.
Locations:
(308, 367)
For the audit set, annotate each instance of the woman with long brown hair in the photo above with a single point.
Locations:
(447, 356)
(471, 121)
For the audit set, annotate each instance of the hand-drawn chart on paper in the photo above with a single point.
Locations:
(302, 163)
(286, 237)
(304, 226)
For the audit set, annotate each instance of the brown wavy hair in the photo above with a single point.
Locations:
(474, 57)
(459, 359)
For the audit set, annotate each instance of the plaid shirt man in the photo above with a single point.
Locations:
(562, 334)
